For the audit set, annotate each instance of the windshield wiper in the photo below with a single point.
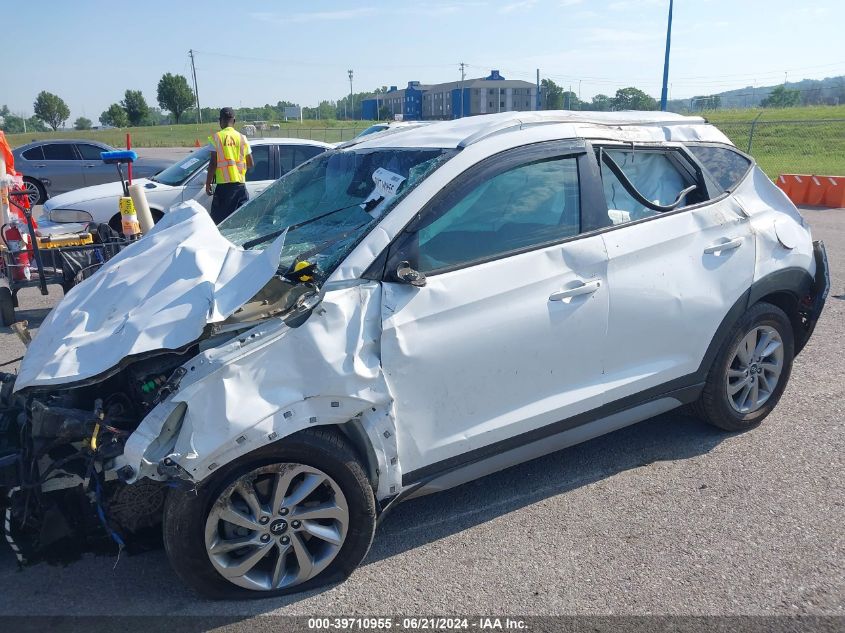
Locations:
(274, 234)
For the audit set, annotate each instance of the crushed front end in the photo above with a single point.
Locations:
(60, 490)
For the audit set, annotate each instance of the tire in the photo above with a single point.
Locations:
(7, 306)
(37, 193)
(729, 400)
(195, 521)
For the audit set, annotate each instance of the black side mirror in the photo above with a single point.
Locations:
(410, 276)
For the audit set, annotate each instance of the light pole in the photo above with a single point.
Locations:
(351, 100)
(663, 94)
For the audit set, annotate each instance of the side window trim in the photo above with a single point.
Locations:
(487, 168)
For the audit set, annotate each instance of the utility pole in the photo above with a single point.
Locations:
(351, 99)
(663, 94)
(196, 90)
(463, 76)
(538, 89)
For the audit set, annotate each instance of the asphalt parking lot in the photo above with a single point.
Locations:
(666, 517)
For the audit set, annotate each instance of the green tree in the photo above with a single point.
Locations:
(82, 124)
(782, 97)
(601, 103)
(571, 101)
(632, 99)
(114, 116)
(51, 109)
(551, 95)
(136, 107)
(174, 94)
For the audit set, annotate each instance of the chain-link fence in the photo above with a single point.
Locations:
(814, 147)
(325, 134)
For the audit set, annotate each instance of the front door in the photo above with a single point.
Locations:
(505, 338)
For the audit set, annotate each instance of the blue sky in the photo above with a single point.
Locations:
(89, 53)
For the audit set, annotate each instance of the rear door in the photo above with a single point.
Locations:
(674, 274)
(94, 170)
(506, 337)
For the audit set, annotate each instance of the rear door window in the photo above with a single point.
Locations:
(658, 175)
(34, 153)
(59, 151)
(725, 165)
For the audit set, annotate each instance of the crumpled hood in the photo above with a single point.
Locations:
(159, 293)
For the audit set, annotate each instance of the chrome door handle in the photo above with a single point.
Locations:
(584, 289)
(40, 166)
(90, 166)
(725, 246)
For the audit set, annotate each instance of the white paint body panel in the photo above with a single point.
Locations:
(481, 354)
(477, 356)
(668, 295)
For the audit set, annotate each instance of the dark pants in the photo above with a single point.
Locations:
(228, 196)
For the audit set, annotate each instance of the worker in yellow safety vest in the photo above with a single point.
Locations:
(230, 159)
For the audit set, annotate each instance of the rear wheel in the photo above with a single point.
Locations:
(750, 372)
(289, 517)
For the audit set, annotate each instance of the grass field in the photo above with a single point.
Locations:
(809, 140)
(806, 140)
(188, 135)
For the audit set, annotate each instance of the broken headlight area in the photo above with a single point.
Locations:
(62, 493)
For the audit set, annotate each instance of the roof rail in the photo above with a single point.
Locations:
(521, 122)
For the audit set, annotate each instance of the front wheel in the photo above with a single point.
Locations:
(750, 371)
(292, 516)
(35, 191)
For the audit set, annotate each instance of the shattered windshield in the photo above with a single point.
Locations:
(329, 203)
(179, 172)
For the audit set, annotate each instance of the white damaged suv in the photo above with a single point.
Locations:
(399, 315)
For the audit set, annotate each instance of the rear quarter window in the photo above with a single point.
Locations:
(726, 166)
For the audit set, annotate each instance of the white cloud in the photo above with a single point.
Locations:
(570, 3)
(517, 6)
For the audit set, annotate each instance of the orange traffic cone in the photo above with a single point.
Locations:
(197, 143)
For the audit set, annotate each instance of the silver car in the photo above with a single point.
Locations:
(56, 166)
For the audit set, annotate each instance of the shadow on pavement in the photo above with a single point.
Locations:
(668, 437)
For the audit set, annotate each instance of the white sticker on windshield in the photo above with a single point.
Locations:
(387, 185)
(187, 164)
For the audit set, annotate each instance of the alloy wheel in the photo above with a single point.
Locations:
(32, 192)
(276, 527)
(755, 368)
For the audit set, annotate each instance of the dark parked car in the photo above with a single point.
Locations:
(56, 166)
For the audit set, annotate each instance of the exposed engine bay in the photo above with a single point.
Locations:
(62, 492)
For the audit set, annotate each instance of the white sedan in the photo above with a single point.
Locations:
(182, 181)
